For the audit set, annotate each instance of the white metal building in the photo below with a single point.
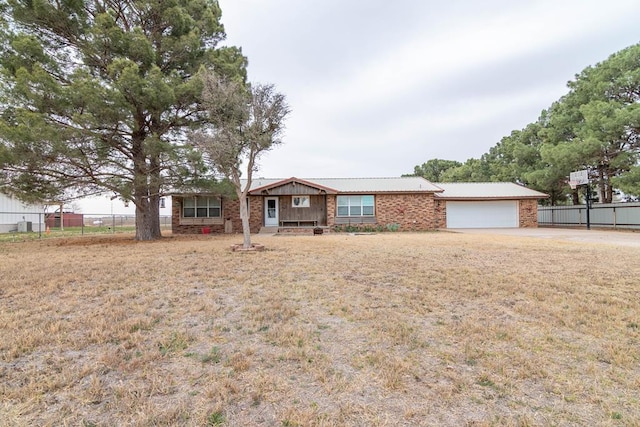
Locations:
(18, 216)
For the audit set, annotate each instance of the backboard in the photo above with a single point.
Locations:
(580, 177)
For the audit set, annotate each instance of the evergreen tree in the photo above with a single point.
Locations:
(595, 126)
(99, 95)
(433, 169)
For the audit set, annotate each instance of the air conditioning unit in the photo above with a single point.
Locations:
(25, 227)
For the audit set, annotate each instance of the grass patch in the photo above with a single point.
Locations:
(215, 419)
(56, 233)
(213, 356)
(338, 329)
(175, 342)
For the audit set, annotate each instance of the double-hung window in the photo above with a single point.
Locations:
(355, 206)
(201, 207)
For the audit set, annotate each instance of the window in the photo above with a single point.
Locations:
(300, 201)
(355, 206)
(201, 207)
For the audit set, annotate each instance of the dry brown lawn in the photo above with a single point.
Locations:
(391, 329)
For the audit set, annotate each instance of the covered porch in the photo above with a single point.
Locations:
(294, 205)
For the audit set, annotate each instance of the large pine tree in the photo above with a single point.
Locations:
(98, 96)
(595, 126)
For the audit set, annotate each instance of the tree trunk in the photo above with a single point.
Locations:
(154, 195)
(601, 185)
(145, 196)
(147, 214)
(154, 211)
(145, 229)
(608, 195)
(244, 216)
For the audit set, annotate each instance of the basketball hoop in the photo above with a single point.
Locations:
(580, 177)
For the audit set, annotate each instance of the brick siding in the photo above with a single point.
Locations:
(441, 213)
(528, 213)
(230, 212)
(331, 210)
(411, 212)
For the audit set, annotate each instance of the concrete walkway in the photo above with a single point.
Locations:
(621, 238)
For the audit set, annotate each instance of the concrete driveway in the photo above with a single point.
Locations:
(610, 237)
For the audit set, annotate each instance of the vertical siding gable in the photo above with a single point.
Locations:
(293, 189)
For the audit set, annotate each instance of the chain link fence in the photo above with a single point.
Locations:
(31, 225)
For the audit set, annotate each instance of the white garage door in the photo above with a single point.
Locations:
(496, 214)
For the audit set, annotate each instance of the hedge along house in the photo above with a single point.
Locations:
(405, 203)
(487, 205)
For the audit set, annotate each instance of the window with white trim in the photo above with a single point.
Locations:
(355, 206)
(300, 201)
(201, 207)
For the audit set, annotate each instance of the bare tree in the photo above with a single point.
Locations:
(244, 124)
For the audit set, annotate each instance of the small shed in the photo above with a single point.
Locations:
(69, 219)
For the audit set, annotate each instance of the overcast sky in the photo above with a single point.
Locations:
(377, 87)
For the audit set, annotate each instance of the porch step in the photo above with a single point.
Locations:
(269, 230)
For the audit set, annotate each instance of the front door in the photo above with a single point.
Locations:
(271, 212)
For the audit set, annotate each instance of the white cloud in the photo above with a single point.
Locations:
(377, 87)
(470, 42)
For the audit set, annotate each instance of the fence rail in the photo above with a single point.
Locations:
(41, 223)
(610, 215)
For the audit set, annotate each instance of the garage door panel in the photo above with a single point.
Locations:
(481, 214)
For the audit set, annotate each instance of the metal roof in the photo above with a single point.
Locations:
(487, 190)
(410, 184)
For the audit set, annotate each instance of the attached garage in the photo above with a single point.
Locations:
(487, 205)
(482, 214)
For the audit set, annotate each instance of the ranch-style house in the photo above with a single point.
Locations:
(405, 204)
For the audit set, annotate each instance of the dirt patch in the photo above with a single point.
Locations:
(92, 240)
(239, 247)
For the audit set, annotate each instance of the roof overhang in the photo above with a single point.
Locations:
(488, 198)
(293, 180)
(194, 194)
(479, 191)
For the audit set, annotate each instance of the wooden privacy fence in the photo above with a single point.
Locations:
(609, 215)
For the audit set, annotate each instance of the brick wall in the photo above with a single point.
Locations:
(230, 211)
(528, 213)
(440, 213)
(331, 210)
(412, 212)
